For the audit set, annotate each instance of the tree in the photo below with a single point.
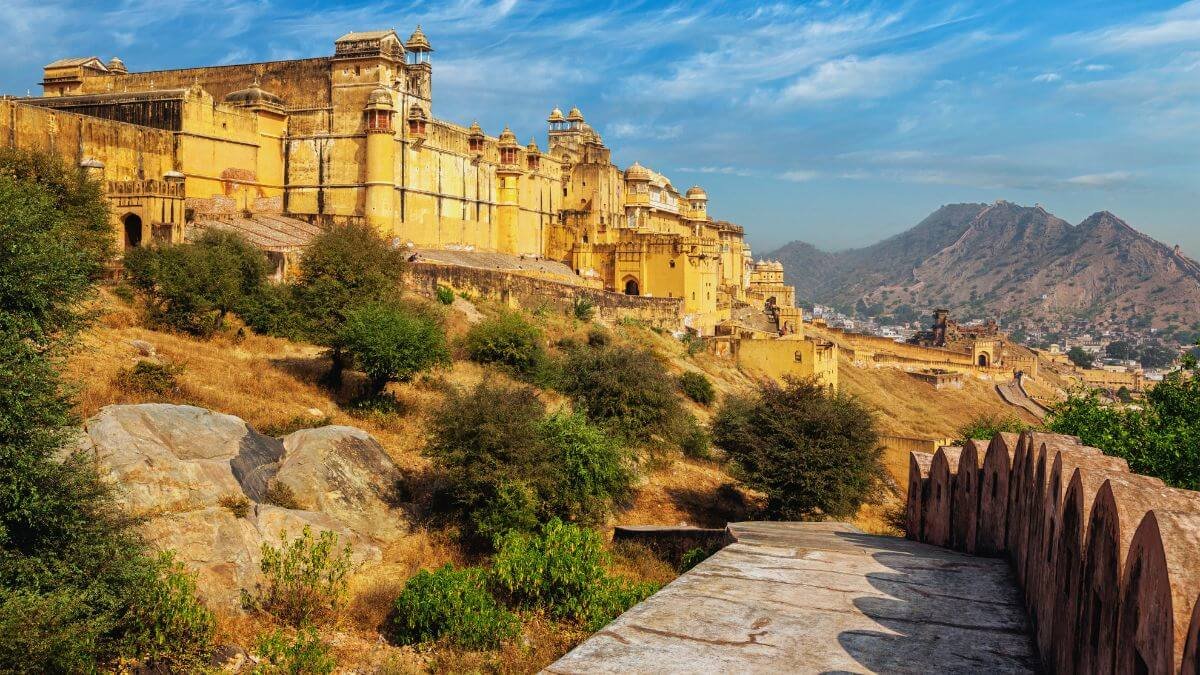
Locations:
(1159, 438)
(391, 343)
(509, 341)
(1121, 349)
(628, 391)
(193, 286)
(1081, 357)
(813, 452)
(342, 269)
(1157, 356)
(79, 589)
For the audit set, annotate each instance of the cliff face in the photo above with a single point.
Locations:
(1009, 261)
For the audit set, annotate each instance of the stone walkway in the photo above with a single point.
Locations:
(820, 598)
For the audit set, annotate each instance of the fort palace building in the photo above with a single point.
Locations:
(283, 149)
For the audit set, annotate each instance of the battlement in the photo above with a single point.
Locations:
(1108, 561)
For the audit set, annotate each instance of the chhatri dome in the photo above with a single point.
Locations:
(417, 42)
(574, 115)
(637, 172)
(555, 115)
(253, 95)
(696, 192)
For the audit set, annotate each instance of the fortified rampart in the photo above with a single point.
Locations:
(867, 350)
(519, 290)
(1108, 561)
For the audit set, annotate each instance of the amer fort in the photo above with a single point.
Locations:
(279, 151)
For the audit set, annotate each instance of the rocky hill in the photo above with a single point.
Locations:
(1018, 263)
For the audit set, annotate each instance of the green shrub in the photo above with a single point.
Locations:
(692, 343)
(583, 308)
(693, 557)
(295, 424)
(124, 293)
(191, 287)
(987, 425)
(509, 466)
(507, 340)
(1161, 437)
(392, 344)
(274, 310)
(627, 391)
(173, 627)
(1080, 357)
(698, 387)
(149, 377)
(592, 469)
(280, 494)
(694, 441)
(237, 504)
(303, 654)
(563, 570)
(454, 605)
(306, 579)
(814, 453)
(444, 295)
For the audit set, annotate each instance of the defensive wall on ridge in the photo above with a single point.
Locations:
(1108, 561)
(521, 291)
(881, 351)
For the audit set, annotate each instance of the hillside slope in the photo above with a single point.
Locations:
(1013, 262)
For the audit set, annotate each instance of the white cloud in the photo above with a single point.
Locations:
(1180, 25)
(1101, 180)
(1048, 77)
(726, 170)
(1097, 67)
(854, 77)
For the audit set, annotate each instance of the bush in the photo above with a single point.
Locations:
(987, 425)
(280, 494)
(392, 344)
(444, 295)
(79, 588)
(1160, 438)
(1080, 357)
(693, 557)
(583, 308)
(598, 337)
(698, 387)
(508, 466)
(452, 604)
(507, 340)
(563, 570)
(627, 391)
(306, 579)
(304, 654)
(237, 504)
(694, 440)
(192, 287)
(810, 451)
(149, 377)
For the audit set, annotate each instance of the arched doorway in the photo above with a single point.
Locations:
(133, 230)
(983, 360)
(631, 287)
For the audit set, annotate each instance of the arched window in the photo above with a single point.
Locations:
(133, 230)
(983, 360)
(631, 287)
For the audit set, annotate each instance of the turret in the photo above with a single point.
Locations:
(533, 155)
(508, 208)
(417, 119)
(381, 160)
(475, 139)
(117, 67)
(574, 119)
(697, 201)
(419, 64)
(556, 120)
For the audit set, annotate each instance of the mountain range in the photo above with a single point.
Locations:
(1019, 264)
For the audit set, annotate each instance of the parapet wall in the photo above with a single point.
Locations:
(517, 290)
(1109, 561)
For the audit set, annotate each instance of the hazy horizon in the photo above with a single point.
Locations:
(839, 124)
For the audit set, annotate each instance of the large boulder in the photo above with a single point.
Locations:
(179, 457)
(344, 473)
(184, 467)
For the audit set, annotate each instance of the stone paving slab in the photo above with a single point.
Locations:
(820, 598)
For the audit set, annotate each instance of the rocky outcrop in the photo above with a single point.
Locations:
(184, 468)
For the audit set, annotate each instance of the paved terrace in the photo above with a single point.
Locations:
(821, 598)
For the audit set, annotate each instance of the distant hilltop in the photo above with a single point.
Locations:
(1019, 263)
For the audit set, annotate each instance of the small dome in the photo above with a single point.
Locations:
(417, 42)
(574, 115)
(416, 112)
(380, 98)
(533, 146)
(116, 65)
(555, 115)
(507, 137)
(637, 172)
(475, 129)
(253, 95)
(696, 192)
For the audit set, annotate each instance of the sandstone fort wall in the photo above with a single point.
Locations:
(519, 291)
(1109, 561)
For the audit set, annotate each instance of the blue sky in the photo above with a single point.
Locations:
(837, 123)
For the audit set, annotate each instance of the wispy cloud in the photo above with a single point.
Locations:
(799, 175)
(1047, 78)
(1101, 180)
(725, 170)
(1177, 26)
